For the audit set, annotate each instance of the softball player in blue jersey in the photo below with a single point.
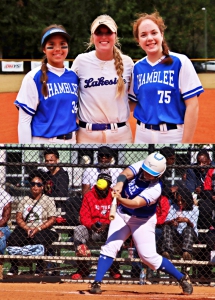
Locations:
(165, 85)
(137, 190)
(47, 99)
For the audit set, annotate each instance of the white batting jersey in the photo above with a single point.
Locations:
(97, 89)
(149, 190)
(55, 114)
(161, 90)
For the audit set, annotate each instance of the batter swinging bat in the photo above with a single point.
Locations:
(113, 209)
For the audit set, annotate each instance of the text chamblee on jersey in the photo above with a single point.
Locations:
(61, 88)
(100, 82)
(165, 77)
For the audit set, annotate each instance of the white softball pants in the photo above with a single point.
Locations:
(149, 136)
(143, 234)
(122, 135)
(41, 140)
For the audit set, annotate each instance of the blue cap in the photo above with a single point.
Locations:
(55, 31)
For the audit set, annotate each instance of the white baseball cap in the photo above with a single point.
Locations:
(104, 20)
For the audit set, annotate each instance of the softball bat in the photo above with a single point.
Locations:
(113, 209)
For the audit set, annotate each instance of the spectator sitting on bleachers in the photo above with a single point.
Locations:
(195, 178)
(94, 217)
(35, 217)
(162, 210)
(180, 225)
(57, 184)
(206, 206)
(105, 157)
(58, 179)
(5, 213)
(209, 183)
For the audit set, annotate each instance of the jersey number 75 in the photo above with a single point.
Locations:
(165, 96)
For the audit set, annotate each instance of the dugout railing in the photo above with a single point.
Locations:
(17, 161)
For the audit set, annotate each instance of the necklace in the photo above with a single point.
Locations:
(102, 64)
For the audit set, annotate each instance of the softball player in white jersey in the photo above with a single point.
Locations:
(105, 75)
(137, 191)
(48, 97)
(166, 87)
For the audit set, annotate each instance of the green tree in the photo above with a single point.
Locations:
(22, 22)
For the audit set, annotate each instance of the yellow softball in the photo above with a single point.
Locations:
(102, 184)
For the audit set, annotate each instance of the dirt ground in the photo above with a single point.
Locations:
(79, 291)
(204, 134)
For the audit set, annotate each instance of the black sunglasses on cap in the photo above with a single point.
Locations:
(38, 184)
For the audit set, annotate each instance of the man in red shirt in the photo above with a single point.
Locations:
(162, 210)
(94, 219)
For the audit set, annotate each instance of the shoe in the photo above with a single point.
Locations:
(83, 251)
(115, 275)
(186, 285)
(166, 254)
(76, 276)
(95, 288)
(13, 271)
(39, 270)
(187, 256)
(80, 273)
(38, 273)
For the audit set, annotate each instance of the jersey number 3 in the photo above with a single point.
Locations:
(75, 107)
(165, 96)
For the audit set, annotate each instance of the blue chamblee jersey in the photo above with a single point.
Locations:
(148, 190)
(161, 90)
(55, 114)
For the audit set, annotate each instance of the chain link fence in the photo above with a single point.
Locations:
(61, 232)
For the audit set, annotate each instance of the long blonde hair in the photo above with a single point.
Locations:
(117, 55)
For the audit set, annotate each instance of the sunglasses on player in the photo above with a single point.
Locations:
(38, 184)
